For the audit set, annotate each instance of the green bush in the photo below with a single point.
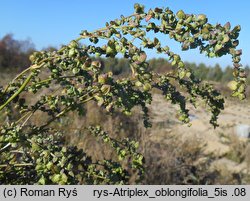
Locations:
(63, 81)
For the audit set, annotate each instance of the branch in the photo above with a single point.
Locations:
(18, 92)
(16, 165)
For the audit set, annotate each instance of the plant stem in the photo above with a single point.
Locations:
(64, 111)
(18, 92)
(26, 120)
(22, 117)
(17, 165)
(5, 147)
(35, 66)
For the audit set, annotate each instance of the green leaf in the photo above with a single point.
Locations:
(225, 39)
(56, 178)
(64, 178)
(42, 180)
(72, 52)
(147, 87)
(182, 74)
(180, 14)
(49, 165)
(139, 9)
(218, 47)
(233, 85)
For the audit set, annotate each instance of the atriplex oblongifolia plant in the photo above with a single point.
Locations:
(35, 153)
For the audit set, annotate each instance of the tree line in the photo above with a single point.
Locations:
(14, 56)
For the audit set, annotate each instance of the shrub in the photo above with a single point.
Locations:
(63, 81)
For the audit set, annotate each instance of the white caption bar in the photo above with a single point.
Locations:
(126, 192)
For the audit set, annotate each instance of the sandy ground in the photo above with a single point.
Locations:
(216, 140)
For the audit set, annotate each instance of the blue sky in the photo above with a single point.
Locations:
(56, 22)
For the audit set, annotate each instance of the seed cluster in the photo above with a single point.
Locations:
(65, 80)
